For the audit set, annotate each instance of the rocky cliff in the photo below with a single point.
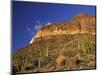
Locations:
(81, 23)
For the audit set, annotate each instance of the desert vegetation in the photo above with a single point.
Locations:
(59, 52)
(70, 53)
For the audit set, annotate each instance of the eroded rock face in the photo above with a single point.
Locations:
(81, 23)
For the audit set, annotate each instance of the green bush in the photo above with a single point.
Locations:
(86, 44)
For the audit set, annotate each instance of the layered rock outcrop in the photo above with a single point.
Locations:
(81, 23)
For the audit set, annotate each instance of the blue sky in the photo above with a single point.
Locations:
(28, 17)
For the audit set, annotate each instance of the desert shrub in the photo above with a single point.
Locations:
(86, 44)
(70, 53)
(21, 61)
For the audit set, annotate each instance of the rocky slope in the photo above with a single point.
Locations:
(60, 46)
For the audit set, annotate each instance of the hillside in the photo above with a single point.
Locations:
(60, 46)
